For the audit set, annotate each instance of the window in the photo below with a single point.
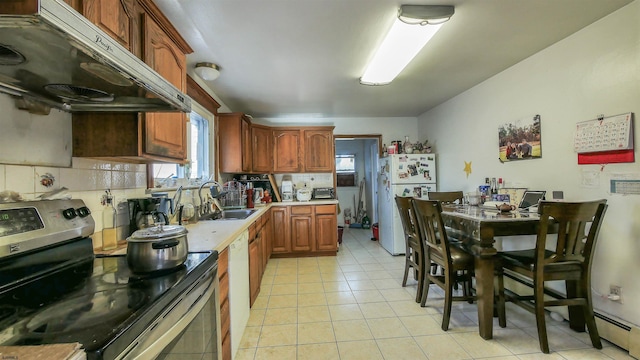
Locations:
(199, 144)
(346, 170)
(345, 163)
(198, 153)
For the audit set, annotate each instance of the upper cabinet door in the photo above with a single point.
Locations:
(262, 149)
(318, 151)
(286, 151)
(246, 144)
(165, 133)
(115, 17)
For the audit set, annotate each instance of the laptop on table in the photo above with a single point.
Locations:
(531, 199)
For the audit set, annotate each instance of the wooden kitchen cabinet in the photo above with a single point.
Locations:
(234, 139)
(136, 137)
(307, 149)
(326, 228)
(116, 18)
(255, 265)
(286, 150)
(165, 133)
(304, 230)
(267, 234)
(259, 253)
(319, 150)
(281, 238)
(302, 223)
(261, 149)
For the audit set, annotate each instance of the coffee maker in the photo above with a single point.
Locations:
(144, 213)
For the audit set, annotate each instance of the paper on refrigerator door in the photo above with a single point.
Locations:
(413, 168)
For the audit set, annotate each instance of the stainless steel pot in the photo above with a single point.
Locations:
(157, 248)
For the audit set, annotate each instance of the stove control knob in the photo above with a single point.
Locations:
(69, 213)
(83, 211)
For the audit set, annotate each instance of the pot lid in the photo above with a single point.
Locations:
(159, 232)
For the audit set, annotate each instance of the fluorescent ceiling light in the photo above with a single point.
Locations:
(403, 42)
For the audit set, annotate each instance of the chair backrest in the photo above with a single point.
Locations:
(446, 197)
(432, 227)
(574, 243)
(409, 224)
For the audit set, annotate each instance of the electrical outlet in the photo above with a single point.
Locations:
(615, 293)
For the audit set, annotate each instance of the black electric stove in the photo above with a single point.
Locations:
(61, 292)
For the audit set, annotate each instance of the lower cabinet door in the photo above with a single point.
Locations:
(302, 233)
(326, 232)
(255, 266)
(280, 240)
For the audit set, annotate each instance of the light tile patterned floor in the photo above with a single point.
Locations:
(353, 306)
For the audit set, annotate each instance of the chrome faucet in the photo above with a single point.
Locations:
(204, 209)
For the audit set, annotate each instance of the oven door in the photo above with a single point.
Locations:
(194, 315)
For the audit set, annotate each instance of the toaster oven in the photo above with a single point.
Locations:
(324, 193)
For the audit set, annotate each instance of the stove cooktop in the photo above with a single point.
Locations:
(97, 302)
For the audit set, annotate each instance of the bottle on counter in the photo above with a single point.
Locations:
(249, 192)
(109, 223)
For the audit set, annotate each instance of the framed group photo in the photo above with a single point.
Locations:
(520, 140)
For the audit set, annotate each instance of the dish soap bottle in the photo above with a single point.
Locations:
(109, 222)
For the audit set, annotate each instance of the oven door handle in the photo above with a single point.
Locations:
(165, 244)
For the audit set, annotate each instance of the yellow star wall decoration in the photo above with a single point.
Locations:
(467, 168)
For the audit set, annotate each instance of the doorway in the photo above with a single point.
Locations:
(360, 199)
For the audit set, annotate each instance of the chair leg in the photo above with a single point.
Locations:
(448, 298)
(589, 316)
(425, 290)
(419, 276)
(540, 320)
(406, 268)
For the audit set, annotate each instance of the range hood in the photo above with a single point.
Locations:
(54, 56)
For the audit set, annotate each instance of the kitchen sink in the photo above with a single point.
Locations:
(237, 214)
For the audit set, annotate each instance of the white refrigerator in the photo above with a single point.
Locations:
(403, 175)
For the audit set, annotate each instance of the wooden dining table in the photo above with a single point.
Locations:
(477, 227)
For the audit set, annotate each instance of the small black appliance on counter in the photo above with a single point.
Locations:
(144, 213)
(324, 193)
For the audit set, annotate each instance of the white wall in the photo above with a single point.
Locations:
(594, 71)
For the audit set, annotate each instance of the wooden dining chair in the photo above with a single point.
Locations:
(569, 260)
(457, 264)
(414, 251)
(447, 197)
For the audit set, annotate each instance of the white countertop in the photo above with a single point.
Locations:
(218, 234)
(209, 235)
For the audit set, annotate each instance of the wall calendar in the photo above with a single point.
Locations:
(604, 134)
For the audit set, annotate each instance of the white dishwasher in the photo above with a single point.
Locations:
(238, 289)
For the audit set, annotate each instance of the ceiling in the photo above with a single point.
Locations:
(303, 59)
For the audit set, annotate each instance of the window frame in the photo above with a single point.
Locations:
(346, 156)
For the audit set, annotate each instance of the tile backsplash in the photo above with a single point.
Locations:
(312, 180)
(86, 179)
